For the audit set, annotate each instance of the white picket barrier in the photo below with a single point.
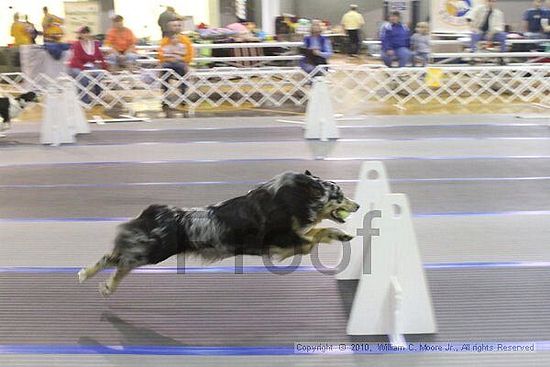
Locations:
(351, 86)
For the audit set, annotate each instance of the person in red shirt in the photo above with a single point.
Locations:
(122, 44)
(87, 58)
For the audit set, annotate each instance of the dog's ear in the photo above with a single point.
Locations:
(314, 188)
(308, 173)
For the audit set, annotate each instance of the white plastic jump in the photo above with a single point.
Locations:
(63, 117)
(320, 121)
(392, 297)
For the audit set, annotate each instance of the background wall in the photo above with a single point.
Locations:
(142, 16)
(372, 11)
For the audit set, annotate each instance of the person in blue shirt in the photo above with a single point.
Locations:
(317, 49)
(395, 37)
(532, 20)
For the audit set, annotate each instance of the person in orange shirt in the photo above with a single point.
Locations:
(52, 27)
(122, 44)
(175, 53)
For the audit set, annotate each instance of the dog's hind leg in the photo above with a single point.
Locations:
(109, 286)
(107, 261)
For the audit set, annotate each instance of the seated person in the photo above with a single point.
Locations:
(86, 56)
(487, 23)
(395, 37)
(420, 44)
(175, 53)
(317, 49)
(122, 44)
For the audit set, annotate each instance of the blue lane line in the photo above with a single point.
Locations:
(260, 269)
(64, 220)
(145, 350)
(539, 346)
(415, 215)
(257, 182)
(263, 160)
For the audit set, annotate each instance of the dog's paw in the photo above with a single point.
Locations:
(344, 237)
(105, 290)
(338, 235)
(82, 275)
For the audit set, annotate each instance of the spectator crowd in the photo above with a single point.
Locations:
(399, 45)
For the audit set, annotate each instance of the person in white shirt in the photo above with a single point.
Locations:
(487, 23)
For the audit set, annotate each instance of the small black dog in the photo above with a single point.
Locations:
(276, 219)
(10, 108)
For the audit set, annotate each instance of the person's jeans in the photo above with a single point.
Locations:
(423, 57)
(84, 81)
(181, 69)
(500, 37)
(536, 36)
(122, 59)
(402, 54)
(354, 41)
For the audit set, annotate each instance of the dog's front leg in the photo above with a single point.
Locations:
(110, 285)
(106, 261)
(327, 235)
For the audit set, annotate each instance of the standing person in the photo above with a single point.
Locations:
(395, 37)
(164, 19)
(175, 53)
(420, 44)
(317, 49)
(122, 44)
(86, 56)
(487, 23)
(51, 26)
(532, 19)
(352, 22)
(19, 32)
(545, 22)
(31, 29)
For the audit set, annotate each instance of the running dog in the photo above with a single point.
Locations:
(276, 219)
(10, 107)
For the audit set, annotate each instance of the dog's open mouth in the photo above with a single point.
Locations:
(339, 215)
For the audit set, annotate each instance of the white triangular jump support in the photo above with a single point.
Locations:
(55, 129)
(392, 297)
(64, 117)
(371, 188)
(77, 118)
(320, 121)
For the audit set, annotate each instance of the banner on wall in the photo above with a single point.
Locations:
(78, 14)
(402, 6)
(449, 16)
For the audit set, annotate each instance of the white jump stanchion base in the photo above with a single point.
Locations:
(320, 121)
(77, 118)
(394, 298)
(55, 129)
(373, 185)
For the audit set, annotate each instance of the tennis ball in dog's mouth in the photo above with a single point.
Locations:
(343, 214)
